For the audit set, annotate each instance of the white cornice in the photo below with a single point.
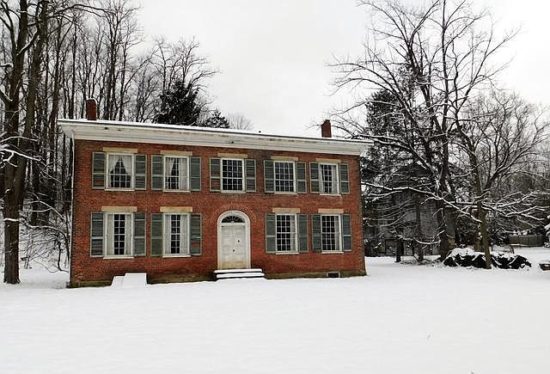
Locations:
(184, 135)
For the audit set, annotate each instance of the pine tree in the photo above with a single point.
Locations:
(217, 121)
(179, 105)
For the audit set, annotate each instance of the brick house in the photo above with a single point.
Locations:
(179, 203)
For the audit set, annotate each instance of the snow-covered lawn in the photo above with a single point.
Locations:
(399, 319)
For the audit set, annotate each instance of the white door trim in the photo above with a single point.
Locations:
(246, 230)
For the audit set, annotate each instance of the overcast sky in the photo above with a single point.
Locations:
(272, 55)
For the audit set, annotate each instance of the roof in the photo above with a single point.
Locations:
(136, 132)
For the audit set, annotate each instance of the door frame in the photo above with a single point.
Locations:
(246, 235)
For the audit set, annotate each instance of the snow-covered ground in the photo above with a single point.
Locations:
(399, 319)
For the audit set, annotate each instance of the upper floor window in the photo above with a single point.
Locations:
(124, 171)
(120, 171)
(232, 175)
(328, 183)
(176, 173)
(284, 176)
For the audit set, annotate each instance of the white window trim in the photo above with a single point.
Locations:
(294, 181)
(164, 156)
(243, 178)
(337, 177)
(106, 240)
(296, 235)
(166, 243)
(340, 239)
(108, 177)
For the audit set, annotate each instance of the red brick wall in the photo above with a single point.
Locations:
(210, 204)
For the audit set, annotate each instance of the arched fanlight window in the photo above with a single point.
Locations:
(232, 219)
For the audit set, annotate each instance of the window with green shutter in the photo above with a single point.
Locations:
(215, 176)
(346, 232)
(303, 238)
(157, 172)
(96, 235)
(98, 170)
(301, 183)
(141, 172)
(344, 178)
(270, 233)
(156, 234)
(250, 166)
(139, 234)
(316, 233)
(195, 173)
(314, 176)
(196, 235)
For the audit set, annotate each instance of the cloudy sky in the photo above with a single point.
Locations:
(272, 55)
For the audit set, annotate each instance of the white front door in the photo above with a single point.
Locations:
(233, 253)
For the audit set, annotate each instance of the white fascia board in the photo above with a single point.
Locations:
(193, 136)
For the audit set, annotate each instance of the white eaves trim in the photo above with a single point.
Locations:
(134, 132)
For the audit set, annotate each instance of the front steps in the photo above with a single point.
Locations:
(238, 273)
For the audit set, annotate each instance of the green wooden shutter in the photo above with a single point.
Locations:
(314, 176)
(250, 166)
(269, 182)
(215, 174)
(301, 177)
(139, 234)
(316, 233)
(302, 233)
(195, 173)
(156, 234)
(270, 233)
(157, 172)
(98, 170)
(344, 178)
(96, 235)
(195, 244)
(141, 172)
(346, 232)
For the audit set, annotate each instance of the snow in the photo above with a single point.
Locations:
(399, 319)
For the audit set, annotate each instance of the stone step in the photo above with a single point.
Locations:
(239, 273)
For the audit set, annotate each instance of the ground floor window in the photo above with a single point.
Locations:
(330, 233)
(286, 233)
(176, 234)
(118, 241)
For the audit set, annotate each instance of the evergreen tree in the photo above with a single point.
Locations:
(179, 105)
(217, 121)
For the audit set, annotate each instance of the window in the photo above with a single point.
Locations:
(176, 234)
(286, 233)
(120, 171)
(119, 234)
(232, 175)
(329, 178)
(284, 176)
(330, 233)
(176, 173)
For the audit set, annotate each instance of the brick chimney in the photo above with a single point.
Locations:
(326, 129)
(91, 110)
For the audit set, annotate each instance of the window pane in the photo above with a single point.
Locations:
(176, 227)
(329, 180)
(120, 171)
(330, 233)
(286, 233)
(232, 175)
(176, 173)
(284, 176)
(118, 234)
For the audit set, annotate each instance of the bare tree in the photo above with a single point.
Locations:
(433, 60)
(239, 121)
